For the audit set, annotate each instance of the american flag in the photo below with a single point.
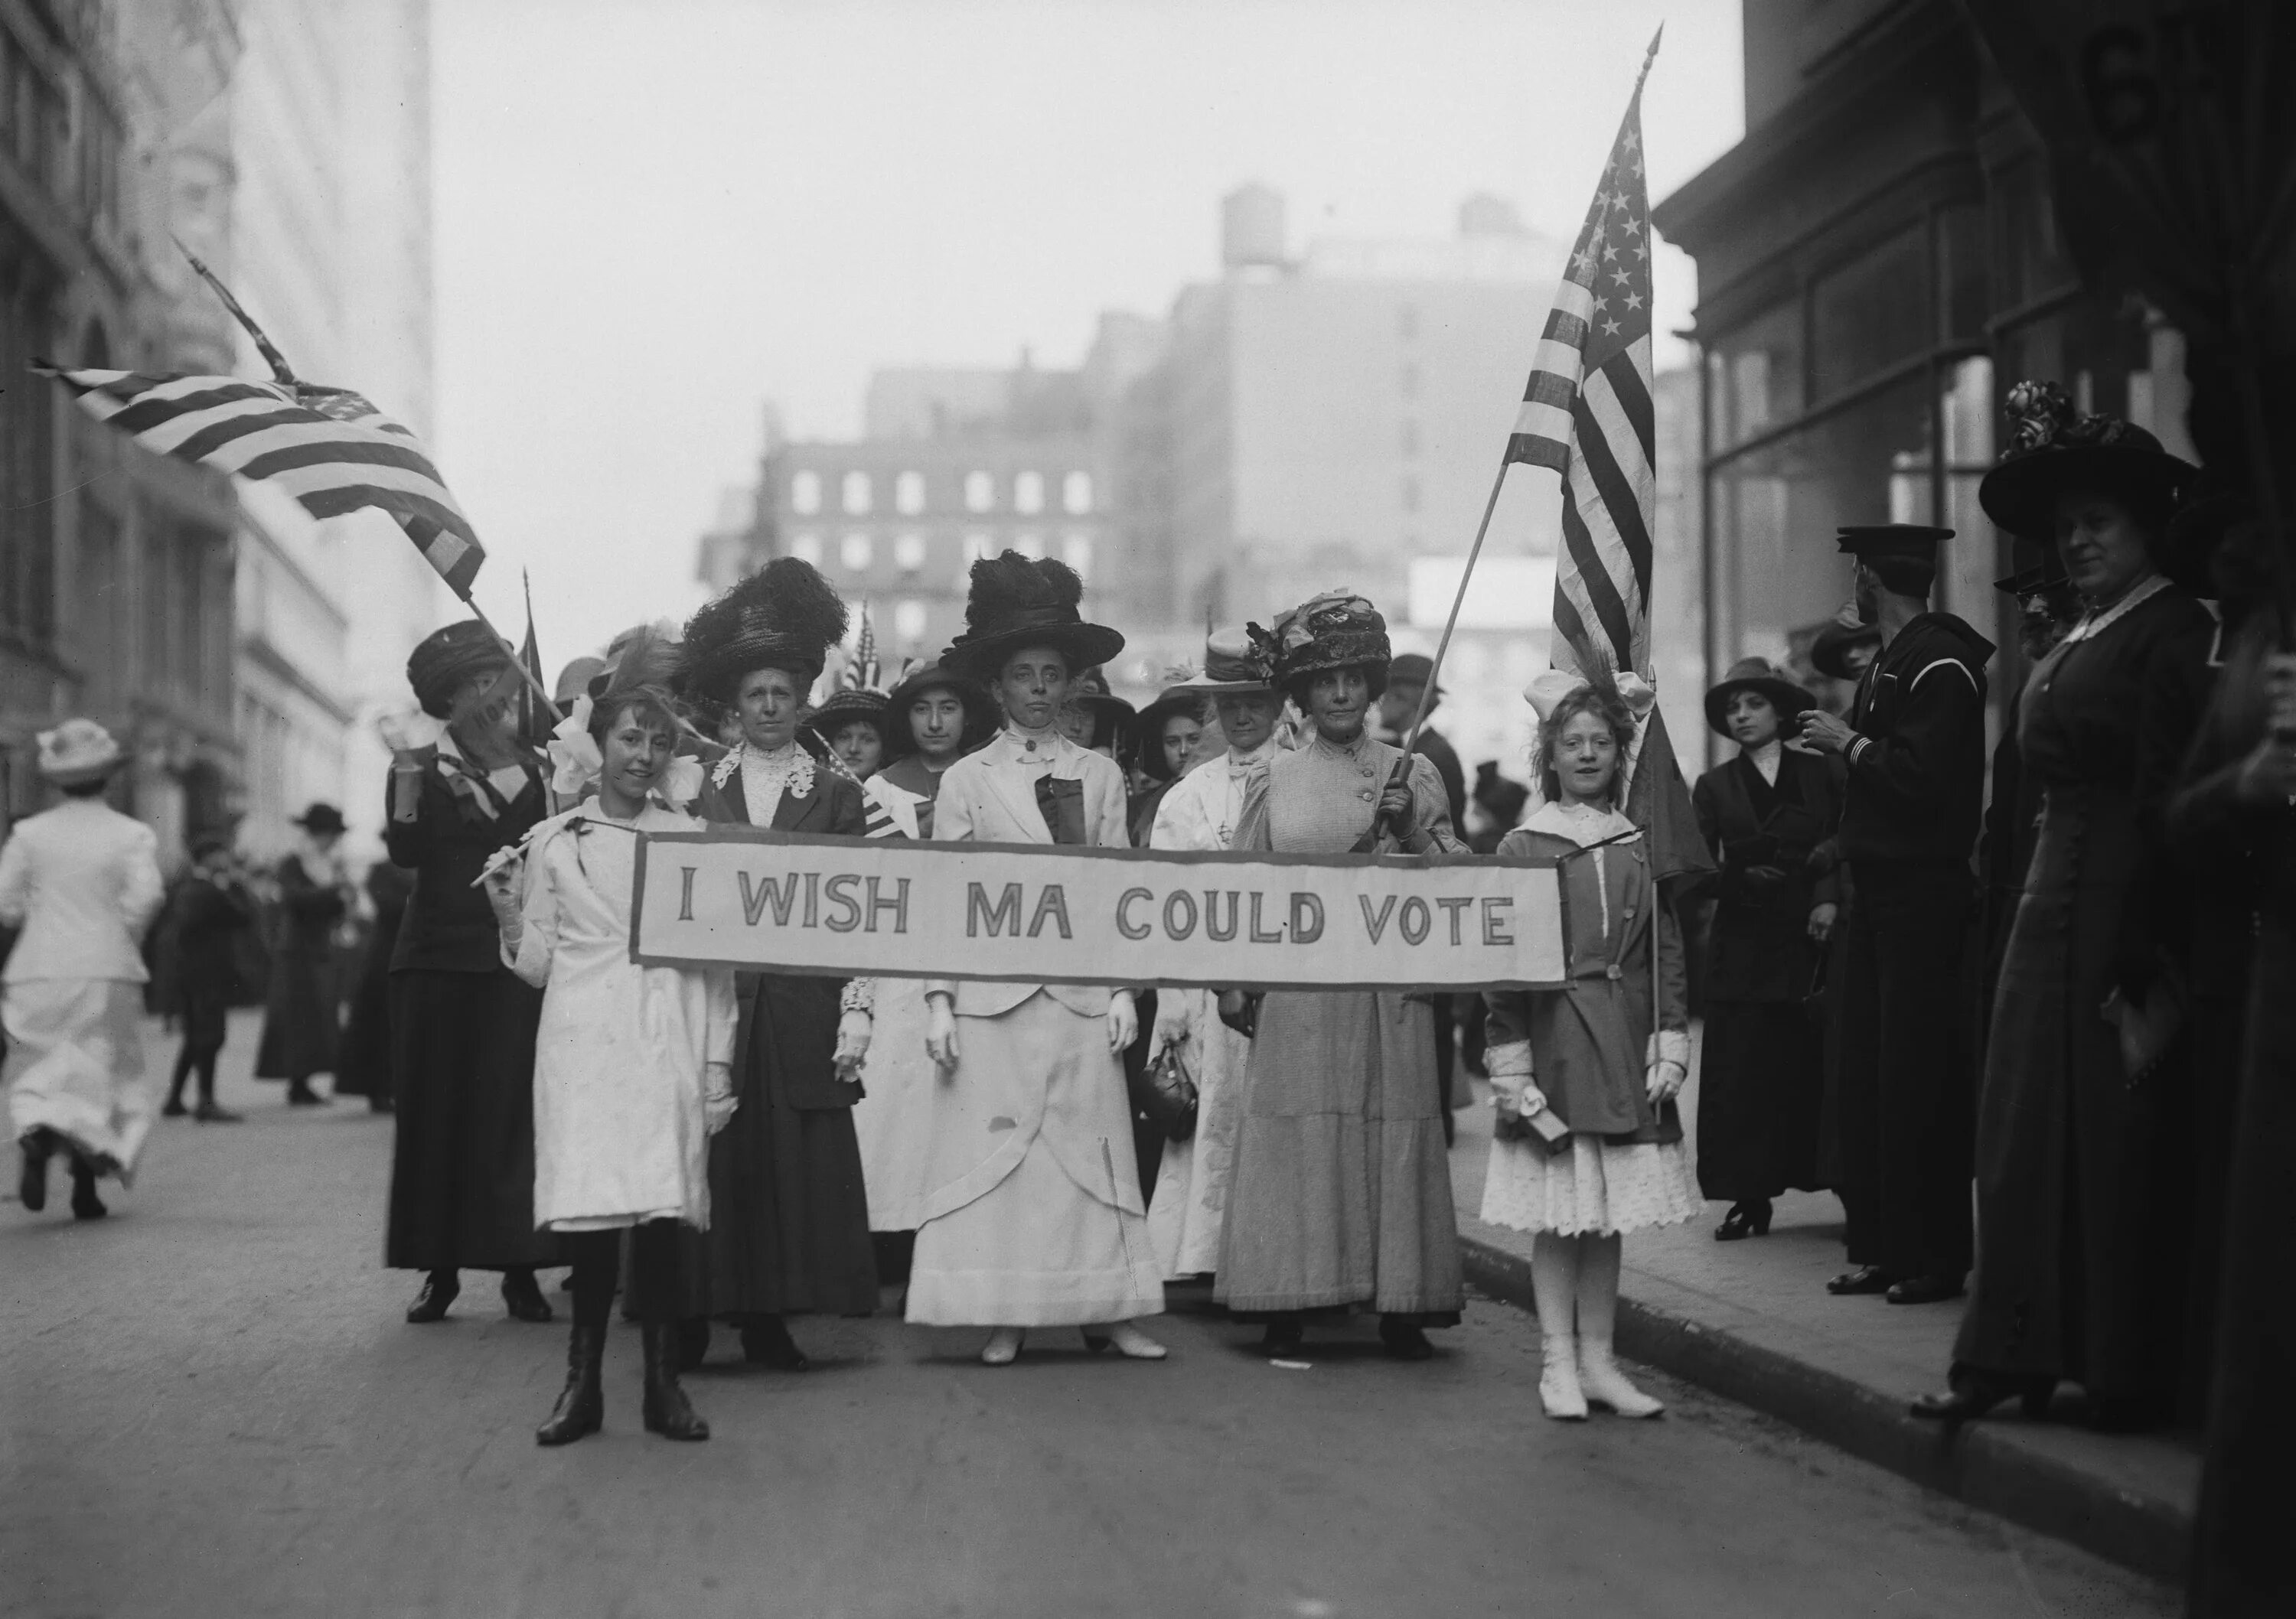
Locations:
(326, 446)
(1586, 413)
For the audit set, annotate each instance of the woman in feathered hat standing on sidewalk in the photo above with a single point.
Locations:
(790, 1229)
(1340, 1193)
(1033, 1216)
(464, 786)
(82, 881)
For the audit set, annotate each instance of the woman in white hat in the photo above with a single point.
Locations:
(82, 881)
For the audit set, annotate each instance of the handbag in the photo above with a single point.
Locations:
(1238, 1008)
(1168, 1097)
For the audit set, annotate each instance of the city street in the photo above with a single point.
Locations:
(214, 1407)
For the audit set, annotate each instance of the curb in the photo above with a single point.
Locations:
(1982, 1464)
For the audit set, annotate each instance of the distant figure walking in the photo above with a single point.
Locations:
(82, 881)
(301, 1034)
(210, 909)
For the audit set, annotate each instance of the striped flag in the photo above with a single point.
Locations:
(1587, 414)
(326, 446)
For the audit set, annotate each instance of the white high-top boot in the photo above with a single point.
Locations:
(1599, 1376)
(1555, 1286)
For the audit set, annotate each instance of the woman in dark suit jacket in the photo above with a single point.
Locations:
(789, 1220)
(1762, 1082)
(462, 1025)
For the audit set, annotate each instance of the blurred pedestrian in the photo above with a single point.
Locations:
(789, 1233)
(1602, 1059)
(364, 1070)
(632, 1063)
(209, 910)
(463, 787)
(1341, 1194)
(303, 1029)
(2083, 1127)
(1495, 805)
(1761, 1085)
(1033, 1215)
(1201, 812)
(1914, 752)
(82, 883)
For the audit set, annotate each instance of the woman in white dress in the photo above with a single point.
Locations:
(1033, 1215)
(1202, 811)
(1604, 1056)
(82, 881)
(632, 1065)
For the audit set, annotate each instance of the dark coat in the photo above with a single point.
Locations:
(2073, 1161)
(449, 926)
(789, 1228)
(300, 1032)
(910, 774)
(1759, 948)
(1917, 778)
(1439, 753)
(365, 1068)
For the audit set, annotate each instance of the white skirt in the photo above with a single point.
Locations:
(1183, 1216)
(77, 1068)
(1596, 1188)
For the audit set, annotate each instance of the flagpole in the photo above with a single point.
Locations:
(1458, 600)
(284, 375)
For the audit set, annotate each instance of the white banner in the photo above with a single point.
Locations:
(778, 901)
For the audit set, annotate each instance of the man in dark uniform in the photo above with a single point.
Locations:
(1399, 706)
(1915, 749)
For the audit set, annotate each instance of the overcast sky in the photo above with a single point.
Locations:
(655, 216)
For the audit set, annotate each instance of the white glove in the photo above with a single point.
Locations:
(940, 1032)
(718, 1100)
(1512, 1089)
(853, 1031)
(1664, 1079)
(1123, 1020)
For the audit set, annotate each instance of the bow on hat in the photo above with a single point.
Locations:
(1548, 690)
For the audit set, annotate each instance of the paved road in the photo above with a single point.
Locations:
(208, 1405)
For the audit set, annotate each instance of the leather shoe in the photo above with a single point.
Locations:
(1865, 1279)
(438, 1291)
(1973, 1393)
(1404, 1340)
(174, 1108)
(765, 1342)
(522, 1298)
(1924, 1290)
(32, 1185)
(85, 1205)
(211, 1113)
(665, 1411)
(1284, 1337)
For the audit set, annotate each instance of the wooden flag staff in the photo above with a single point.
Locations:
(284, 375)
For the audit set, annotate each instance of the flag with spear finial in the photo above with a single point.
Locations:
(860, 671)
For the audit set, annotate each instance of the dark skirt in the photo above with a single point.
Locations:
(300, 1035)
(461, 1171)
(1760, 1090)
(2082, 1178)
(789, 1214)
(362, 1067)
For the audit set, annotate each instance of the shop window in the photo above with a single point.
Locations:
(857, 494)
(805, 491)
(1871, 313)
(980, 492)
(1076, 494)
(1754, 376)
(909, 494)
(1029, 494)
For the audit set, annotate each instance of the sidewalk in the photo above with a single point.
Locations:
(1752, 1320)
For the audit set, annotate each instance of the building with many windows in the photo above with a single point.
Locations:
(1878, 263)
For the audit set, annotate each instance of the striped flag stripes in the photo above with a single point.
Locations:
(328, 447)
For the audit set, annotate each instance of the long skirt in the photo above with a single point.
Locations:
(789, 1214)
(75, 1067)
(1340, 1193)
(1058, 1239)
(1760, 1090)
(461, 1167)
(1183, 1216)
(894, 1121)
(300, 1033)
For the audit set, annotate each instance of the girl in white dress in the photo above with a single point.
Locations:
(632, 1065)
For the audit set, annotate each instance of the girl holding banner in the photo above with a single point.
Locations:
(1342, 1190)
(1033, 1215)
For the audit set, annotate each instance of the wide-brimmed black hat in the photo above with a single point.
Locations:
(1016, 601)
(321, 819)
(2053, 448)
(1829, 651)
(846, 705)
(783, 617)
(1761, 676)
(1336, 630)
(445, 659)
(1148, 729)
(980, 712)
